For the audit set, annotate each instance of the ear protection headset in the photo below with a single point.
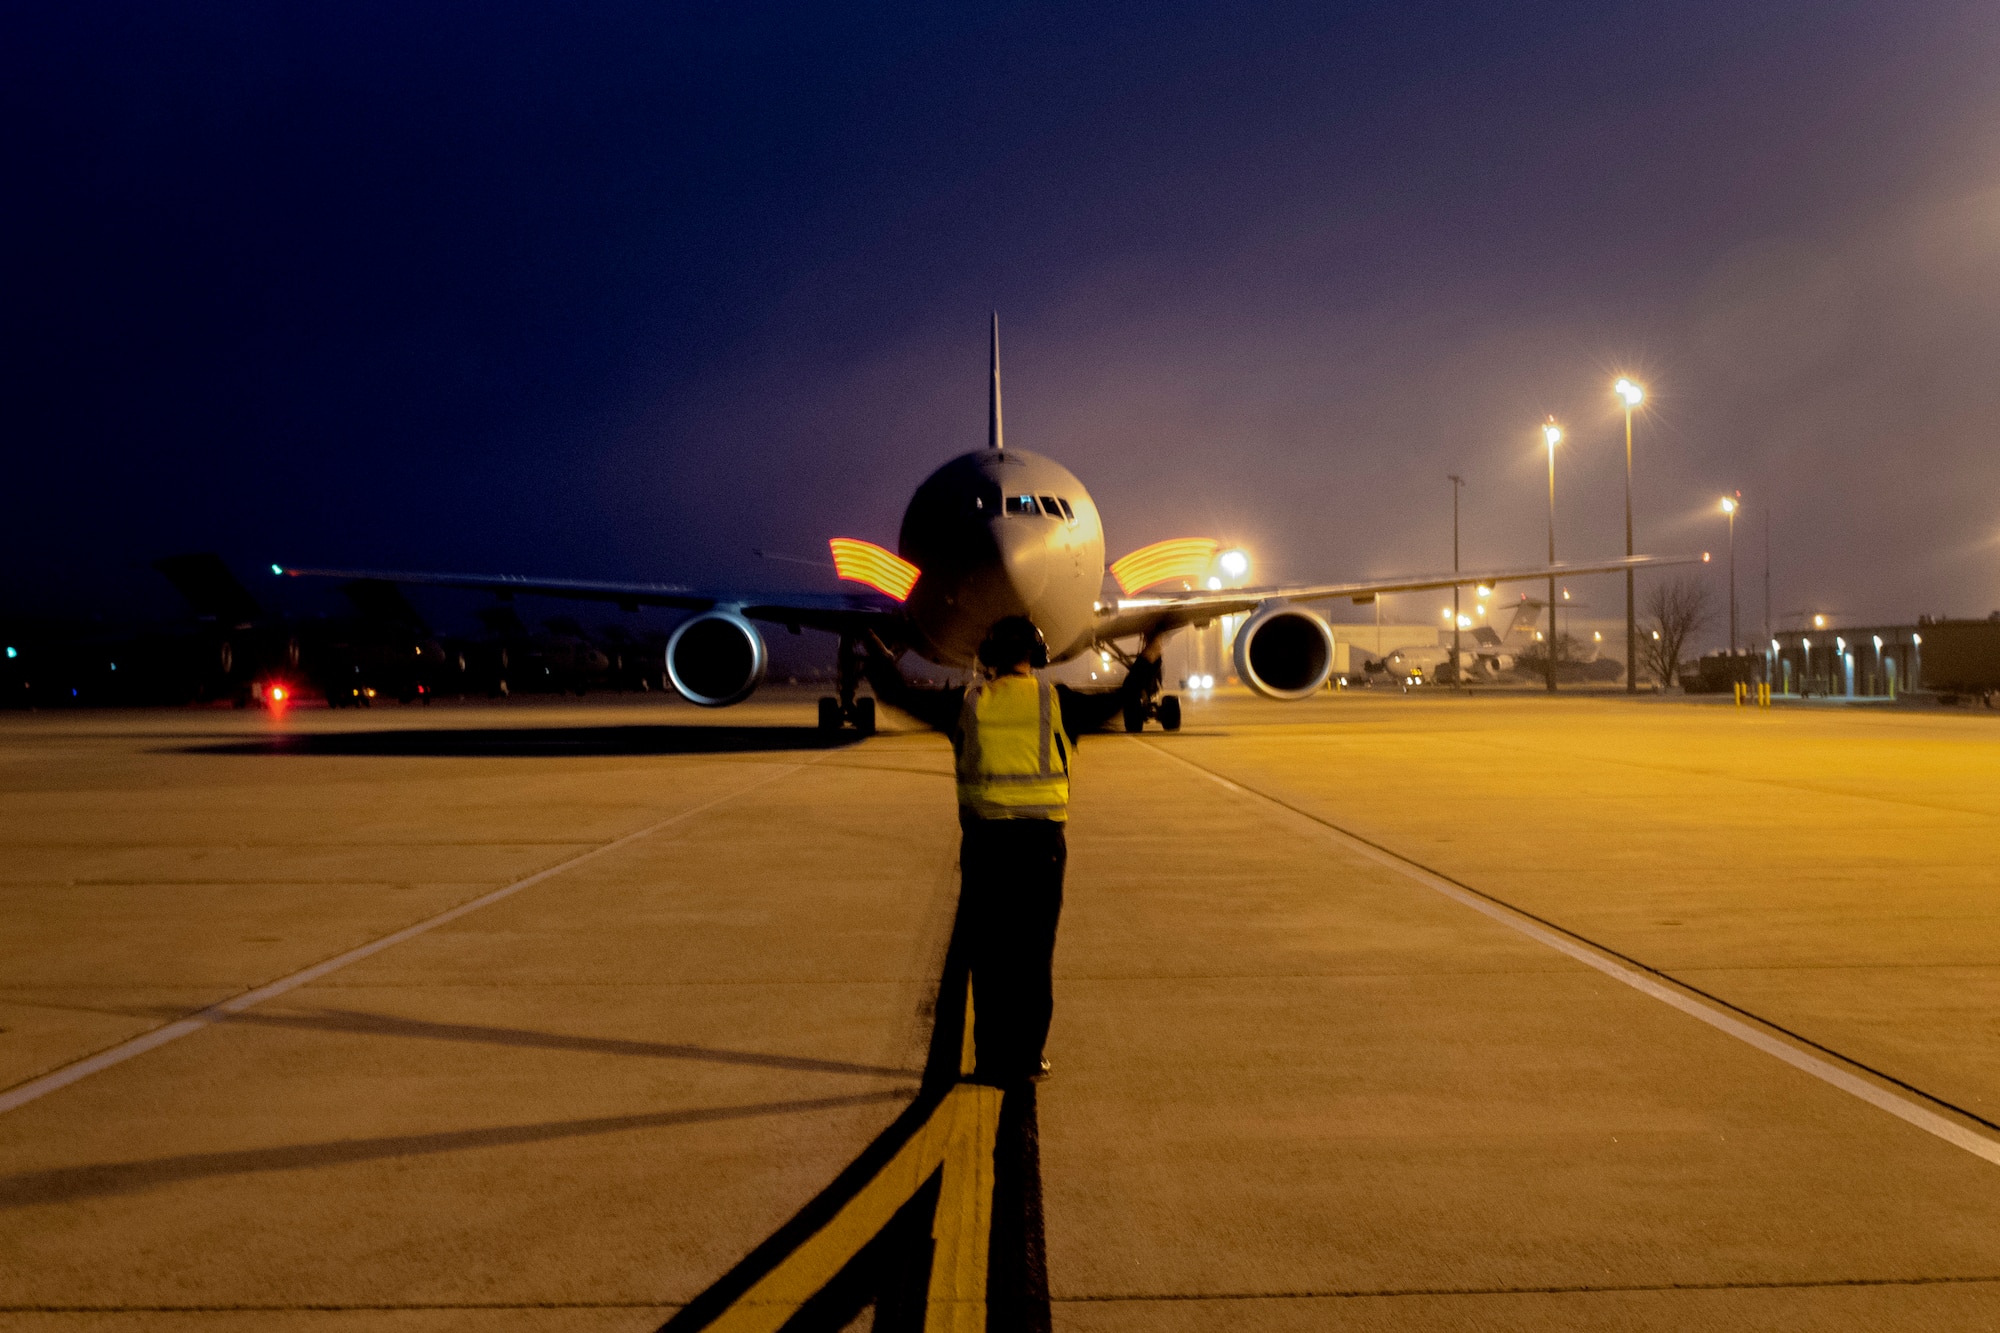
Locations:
(1013, 639)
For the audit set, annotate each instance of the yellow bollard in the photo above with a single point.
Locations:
(1737, 690)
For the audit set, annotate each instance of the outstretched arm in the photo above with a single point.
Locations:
(935, 708)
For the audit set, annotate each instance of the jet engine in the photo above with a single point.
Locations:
(716, 659)
(1284, 651)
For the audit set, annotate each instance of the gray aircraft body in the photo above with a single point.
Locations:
(991, 533)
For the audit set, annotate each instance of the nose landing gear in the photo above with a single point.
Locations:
(1167, 708)
(861, 713)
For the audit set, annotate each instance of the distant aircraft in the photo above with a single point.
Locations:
(1487, 653)
(994, 533)
(246, 653)
(1484, 652)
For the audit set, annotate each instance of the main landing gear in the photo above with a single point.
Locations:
(835, 713)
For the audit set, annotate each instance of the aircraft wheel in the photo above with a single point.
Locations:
(1135, 717)
(864, 716)
(829, 714)
(1170, 712)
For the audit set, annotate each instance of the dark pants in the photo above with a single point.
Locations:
(1010, 895)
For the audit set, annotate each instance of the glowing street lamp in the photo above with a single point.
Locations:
(1632, 395)
(1552, 433)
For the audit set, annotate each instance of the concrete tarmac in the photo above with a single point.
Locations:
(1296, 1085)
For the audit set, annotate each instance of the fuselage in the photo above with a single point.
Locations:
(1002, 533)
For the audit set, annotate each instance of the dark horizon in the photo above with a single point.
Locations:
(620, 293)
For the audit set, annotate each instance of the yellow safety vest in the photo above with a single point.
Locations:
(1013, 758)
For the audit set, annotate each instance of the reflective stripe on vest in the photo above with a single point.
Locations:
(1013, 759)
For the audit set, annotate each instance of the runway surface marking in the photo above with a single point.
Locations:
(1658, 985)
(937, 1224)
(55, 1080)
(950, 1155)
(1607, 1289)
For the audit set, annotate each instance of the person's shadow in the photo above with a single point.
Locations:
(537, 742)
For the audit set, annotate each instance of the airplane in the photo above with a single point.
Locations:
(994, 532)
(1489, 654)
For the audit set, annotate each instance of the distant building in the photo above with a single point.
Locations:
(1847, 661)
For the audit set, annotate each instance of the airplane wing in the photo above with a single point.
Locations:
(834, 612)
(1156, 610)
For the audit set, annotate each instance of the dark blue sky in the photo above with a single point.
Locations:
(626, 291)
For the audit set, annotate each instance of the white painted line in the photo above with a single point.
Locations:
(23, 1093)
(1886, 1099)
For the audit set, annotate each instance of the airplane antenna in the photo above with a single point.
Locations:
(994, 439)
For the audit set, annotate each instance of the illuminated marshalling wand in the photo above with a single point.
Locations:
(874, 567)
(1187, 559)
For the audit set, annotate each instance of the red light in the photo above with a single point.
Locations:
(277, 694)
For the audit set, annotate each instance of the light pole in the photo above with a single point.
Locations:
(1632, 395)
(1767, 569)
(1457, 482)
(1767, 588)
(1553, 434)
(1730, 504)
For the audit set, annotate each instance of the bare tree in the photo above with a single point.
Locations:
(1673, 611)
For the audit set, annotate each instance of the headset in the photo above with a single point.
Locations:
(1011, 639)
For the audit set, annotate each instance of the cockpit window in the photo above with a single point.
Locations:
(1021, 504)
(1069, 515)
(1050, 507)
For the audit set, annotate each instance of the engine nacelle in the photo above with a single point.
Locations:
(716, 659)
(1284, 651)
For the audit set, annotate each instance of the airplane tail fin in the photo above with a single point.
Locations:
(212, 592)
(994, 439)
(502, 622)
(383, 603)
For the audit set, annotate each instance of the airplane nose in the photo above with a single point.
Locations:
(1024, 557)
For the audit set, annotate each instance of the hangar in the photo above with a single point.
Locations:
(1883, 661)
(1862, 661)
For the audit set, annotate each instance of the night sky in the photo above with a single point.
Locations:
(627, 291)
